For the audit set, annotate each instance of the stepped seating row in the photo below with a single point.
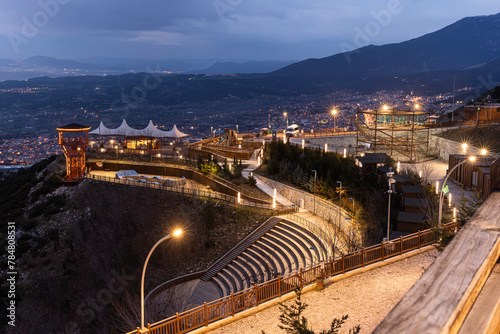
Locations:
(284, 247)
(239, 248)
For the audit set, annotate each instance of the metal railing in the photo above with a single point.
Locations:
(259, 293)
(280, 209)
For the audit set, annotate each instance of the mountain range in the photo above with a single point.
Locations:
(467, 52)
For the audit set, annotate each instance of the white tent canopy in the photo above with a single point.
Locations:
(150, 131)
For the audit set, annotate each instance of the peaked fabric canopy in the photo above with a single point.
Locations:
(150, 131)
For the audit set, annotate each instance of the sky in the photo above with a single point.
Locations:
(219, 29)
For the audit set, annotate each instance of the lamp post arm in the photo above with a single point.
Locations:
(144, 274)
(441, 195)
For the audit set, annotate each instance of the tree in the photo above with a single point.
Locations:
(293, 322)
(467, 206)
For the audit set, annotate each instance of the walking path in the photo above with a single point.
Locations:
(367, 298)
(435, 170)
(253, 165)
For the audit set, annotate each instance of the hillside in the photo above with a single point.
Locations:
(468, 42)
(80, 250)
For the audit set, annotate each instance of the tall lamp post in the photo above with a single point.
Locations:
(471, 159)
(391, 181)
(315, 176)
(334, 113)
(176, 234)
(340, 200)
(285, 115)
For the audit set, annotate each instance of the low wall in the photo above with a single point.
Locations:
(324, 209)
(179, 172)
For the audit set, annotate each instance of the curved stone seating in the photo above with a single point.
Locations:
(277, 247)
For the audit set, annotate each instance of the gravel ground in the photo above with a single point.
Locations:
(367, 298)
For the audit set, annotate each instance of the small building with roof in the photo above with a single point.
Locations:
(410, 222)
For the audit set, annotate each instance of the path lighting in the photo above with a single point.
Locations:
(303, 143)
(471, 159)
(314, 196)
(176, 233)
(239, 197)
(420, 174)
(334, 113)
(285, 115)
(449, 200)
(399, 167)
(274, 199)
(391, 181)
(326, 147)
(437, 187)
(345, 152)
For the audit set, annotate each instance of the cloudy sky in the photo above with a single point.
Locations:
(218, 29)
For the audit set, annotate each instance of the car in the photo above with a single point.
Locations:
(292, 130)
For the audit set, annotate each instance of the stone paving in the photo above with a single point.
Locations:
(367, 298)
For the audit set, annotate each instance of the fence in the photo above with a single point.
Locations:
(246, 299)
(281, 209)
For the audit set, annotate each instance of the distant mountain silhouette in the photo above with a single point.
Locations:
(245, 67)
(469, 42)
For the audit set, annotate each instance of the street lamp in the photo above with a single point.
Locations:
(334, 113)
(391, 181)
(176, 233)
(471, 159)
(315, 176)
(285, 115)
(340, 200)
(352, 199)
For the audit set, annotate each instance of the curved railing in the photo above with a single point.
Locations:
(280, 209)
(259, 293)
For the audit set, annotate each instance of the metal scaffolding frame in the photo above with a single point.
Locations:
(402, 131)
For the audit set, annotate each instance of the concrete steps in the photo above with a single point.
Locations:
(277, 247)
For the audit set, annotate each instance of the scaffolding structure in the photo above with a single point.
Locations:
(403, 132)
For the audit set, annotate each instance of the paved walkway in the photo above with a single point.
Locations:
(253, 165)
(367, 298)
(435, 170)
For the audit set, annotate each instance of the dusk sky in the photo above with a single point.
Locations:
(218, 29)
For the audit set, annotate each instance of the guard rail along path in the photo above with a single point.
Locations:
(189, 192)
(259, 293)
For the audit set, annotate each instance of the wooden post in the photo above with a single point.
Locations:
(383, 251)
(343, 264)
(300, 277)
(177, 322)
(232, 303)
(279, 286)
(401, 244)
(418, 239)
(256, 295)
(363, 256)
(205, 313)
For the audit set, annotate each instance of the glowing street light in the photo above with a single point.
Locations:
(464, 148)
(385, 107)
(285, 115)
(334, 113)
(176, 233)
(471, 159)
